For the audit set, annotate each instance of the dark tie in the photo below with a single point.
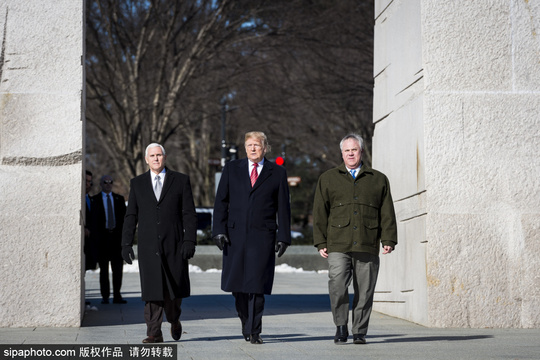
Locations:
(254, 174)
(110, 215)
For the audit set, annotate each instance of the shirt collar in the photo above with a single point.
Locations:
(260, 163)
(357, 169)
(161, 174)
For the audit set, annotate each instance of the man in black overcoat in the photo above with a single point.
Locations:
(161, 203)
(108, 235)
(252, 203)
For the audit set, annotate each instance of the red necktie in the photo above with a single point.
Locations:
(254, 174)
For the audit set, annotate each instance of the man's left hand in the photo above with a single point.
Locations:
(280, 248)
(188, 250)
(127, 254)
(387, 249)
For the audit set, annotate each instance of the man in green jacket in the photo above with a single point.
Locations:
(353, 213)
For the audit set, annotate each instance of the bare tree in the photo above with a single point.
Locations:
(310, 83)
(143, 59)
(156, 71)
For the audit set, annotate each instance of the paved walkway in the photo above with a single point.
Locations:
(297, 325)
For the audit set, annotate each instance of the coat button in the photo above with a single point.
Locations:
(355, 228)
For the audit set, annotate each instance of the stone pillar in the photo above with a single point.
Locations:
(398, 151)
(41, 162)
(457, 109)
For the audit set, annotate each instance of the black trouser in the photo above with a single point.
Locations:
(108, 252)
(250, 308)
(153, 312)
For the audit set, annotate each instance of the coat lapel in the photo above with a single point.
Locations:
(149, 184)
(242, 174)
(169, 179)
(265, 174)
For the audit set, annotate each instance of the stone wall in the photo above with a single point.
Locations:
(41, 169)
(457, 109)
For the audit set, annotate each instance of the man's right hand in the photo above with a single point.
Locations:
(221, 240)
(127, 254)
(324, 253)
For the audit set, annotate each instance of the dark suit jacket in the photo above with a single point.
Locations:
(106, 247)
(163, 226)
(250, 217)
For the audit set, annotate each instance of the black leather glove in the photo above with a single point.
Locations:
(127, 254)
(221, 240)
(188, 250)
(280, 248)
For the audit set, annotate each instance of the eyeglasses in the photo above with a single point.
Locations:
(107, 182)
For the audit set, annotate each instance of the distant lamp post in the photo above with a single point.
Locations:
(232, 153)
(223, 142)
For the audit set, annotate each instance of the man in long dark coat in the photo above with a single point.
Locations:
(252, 202)
(161, 202)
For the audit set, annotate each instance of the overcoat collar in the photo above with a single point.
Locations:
(363, 170)
(169, 179)
(266, 172)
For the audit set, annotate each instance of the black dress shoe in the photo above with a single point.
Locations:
(119, 301)
(176, 330)
(105, 301)
(341, 335)
(153, 339)
(246, 336)
(256, 339)
(359, 339)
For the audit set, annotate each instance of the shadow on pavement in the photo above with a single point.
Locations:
(404, 338)
(201, 307)
(221, 306)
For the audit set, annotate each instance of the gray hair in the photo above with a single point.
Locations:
(352, 136)
(153, 145)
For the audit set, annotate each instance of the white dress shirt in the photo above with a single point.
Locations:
(357, 170)
(161, 177)
(259, 167)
